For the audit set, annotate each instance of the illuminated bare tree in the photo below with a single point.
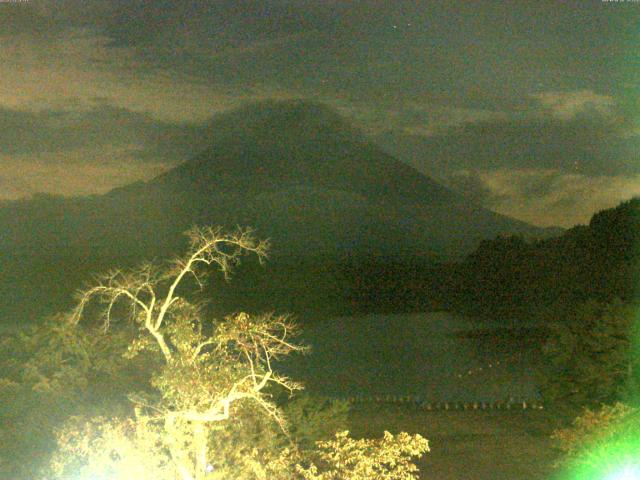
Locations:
(207, 366)
(210, 380)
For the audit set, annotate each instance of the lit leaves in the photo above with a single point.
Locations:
(344, 458)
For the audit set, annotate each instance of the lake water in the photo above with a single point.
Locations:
(424, 355)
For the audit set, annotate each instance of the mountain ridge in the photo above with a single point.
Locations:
(284, 144)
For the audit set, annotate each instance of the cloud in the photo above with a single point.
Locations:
(50, 62)
(582, 145)
(470, 184)
(437, 119)
(550, 197)
(76, 172)
(568, 105)
(184, 60)
(52, 131)
(145, 22)
(13, 187)
(412, 118)
(89, 150)
(222, 43)
(125, 87)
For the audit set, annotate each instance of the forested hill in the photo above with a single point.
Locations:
(510, 278)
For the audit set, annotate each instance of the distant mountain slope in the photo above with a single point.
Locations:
(295, 171)
(278, 146)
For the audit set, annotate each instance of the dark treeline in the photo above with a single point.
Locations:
(512, 279)
(509, 279)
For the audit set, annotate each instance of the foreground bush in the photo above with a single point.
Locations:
(344, 458)
(601, 443)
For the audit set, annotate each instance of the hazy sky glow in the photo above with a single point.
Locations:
(98, 93)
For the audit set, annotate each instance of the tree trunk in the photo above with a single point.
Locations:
(200, 447)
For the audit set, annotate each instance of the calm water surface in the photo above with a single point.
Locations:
(424, 354)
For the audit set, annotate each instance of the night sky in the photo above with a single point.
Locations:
(96, 94)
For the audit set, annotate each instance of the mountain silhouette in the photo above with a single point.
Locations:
(297, 172)
(297, 164)
(276, 145)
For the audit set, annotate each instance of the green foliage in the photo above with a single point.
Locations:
(102, 448)
(592, 426)
(252, 444)
(139, 382)
(49, 372)
(590, 359)
(344, 458)
(600, 441)
(313, 419)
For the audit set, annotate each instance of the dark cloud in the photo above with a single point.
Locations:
(589, 145)
(540, 185)
(21, 18)
(223, 22)
(476, 186)
(471, 54)
(530, 184)
(50, 131)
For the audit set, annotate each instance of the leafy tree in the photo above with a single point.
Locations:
(590, 357)
(206, 369)
(344, 458)
(313, 419)
(205, 405)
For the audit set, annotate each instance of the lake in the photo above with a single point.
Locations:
(433, 356)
